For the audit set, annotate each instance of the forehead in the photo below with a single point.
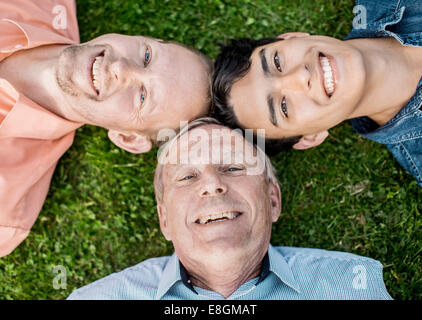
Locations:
(248, 95)
(179, 83)
(201, 142)
(210, 145)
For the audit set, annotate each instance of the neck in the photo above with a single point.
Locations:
(392, 74)
(33, 73)
(223, 276)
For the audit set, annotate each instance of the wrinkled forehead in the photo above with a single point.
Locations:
(213, 145)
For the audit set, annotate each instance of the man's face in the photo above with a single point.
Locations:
(299, 86)
(133, 82)
(216, 212)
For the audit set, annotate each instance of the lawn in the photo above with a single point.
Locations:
(348, 195)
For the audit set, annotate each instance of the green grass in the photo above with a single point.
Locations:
(99, 217)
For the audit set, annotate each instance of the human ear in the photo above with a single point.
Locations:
(133, 142)
(162, 216)
(311, 140)
(274, 194)
(289, 35)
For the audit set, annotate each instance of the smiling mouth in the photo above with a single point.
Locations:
(95, 72)
(328, 74)
(219, 217)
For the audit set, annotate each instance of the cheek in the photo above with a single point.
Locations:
(257, 199)
(180, 203)
(122, 103)
(306, 113)
(250, 189)
(310, 117)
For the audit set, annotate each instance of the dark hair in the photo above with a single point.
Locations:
(232, 64)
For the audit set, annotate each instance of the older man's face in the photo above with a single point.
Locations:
(133, 83)
(216, 210)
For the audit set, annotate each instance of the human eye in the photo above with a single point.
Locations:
(143, 95)
(283, 107)
(277, 62)
(147, 56)
(186, 177)
(233, 169)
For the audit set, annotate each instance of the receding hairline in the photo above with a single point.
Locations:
(204, 58)
(208, 63)
(269, 173)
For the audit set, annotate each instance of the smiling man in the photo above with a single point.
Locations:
(218, 211)
(50, 85)
(299, 88)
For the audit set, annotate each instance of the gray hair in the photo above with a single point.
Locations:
(269, 170)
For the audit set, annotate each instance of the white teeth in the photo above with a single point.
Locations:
(95, 72)
(218, 216)
(328, 75)
(203, 220)
(96, 84)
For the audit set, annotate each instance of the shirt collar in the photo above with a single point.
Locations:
(185, 278)
(279, 266)
(170, 276)
(388, 133)
(25, 115)
(377, 23)
(272, 262)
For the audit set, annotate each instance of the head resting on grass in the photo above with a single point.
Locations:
(214, 206)
(295, 89)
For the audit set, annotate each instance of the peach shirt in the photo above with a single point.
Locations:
(32, 139)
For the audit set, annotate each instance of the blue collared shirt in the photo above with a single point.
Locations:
(293, 273)
(402, 135)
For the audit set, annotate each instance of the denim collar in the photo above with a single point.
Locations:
(273, 262)
(377, 28)
(387, 134)
(389, 13)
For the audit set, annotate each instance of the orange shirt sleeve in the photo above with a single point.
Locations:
(32, 139)
(26, 24)
(7, 101)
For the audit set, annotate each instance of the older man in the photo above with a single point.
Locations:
(50, 85)
(217, 198)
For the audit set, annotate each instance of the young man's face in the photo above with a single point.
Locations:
(133, 82)
(299, 86)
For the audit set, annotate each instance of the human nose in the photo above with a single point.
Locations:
(297, 79)
(124, 72)
(212, 184)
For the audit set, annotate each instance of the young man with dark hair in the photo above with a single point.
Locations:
(227, 72)
(301, 87)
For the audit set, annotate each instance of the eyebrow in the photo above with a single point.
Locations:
(151, 102)
(273, 117)
(264, 63)
(270, 99)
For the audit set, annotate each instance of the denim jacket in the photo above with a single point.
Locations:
(402, 20)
